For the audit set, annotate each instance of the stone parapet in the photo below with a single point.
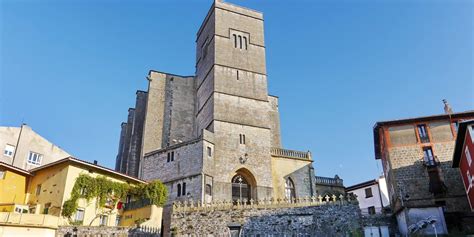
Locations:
(285, 153)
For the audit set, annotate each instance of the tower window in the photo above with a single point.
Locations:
(235, 40)
(170, 156)
(240, 39)
(179, 190)
(209, 151)
(184, 189)
(242, 138)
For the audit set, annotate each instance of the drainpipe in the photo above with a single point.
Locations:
(17, 143)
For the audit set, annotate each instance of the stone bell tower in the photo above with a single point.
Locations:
(232, 101)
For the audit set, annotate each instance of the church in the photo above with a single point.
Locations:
(215, 135)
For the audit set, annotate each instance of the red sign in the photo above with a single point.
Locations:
(466, 165)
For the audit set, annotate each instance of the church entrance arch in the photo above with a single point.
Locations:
(243, 186)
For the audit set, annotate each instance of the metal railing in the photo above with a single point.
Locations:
(137, 204)
(274, 151)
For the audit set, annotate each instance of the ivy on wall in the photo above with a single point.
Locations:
(108, 193)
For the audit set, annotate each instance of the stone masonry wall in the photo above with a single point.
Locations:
(327, 219)
(409, 173)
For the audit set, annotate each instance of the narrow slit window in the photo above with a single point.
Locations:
(245, 42)
(240, 41)
(184, 189)
(179, 190)
(235, 40)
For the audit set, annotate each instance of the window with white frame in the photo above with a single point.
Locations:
(79, 215)
(103, 220)
(34, 158)
(9, 150)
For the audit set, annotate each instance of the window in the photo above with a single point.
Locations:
(9, 150)
(2, 174)
(34, 158)
(240, 40)
(79, 215)
(46, 208)
(117, 220)
(368, 192)
(290, 193)
(38, 189)
(466, 151)
(184, 189)
(18, 210)
(170, 156)
(179, 190)
(238, 76)
(205, 48)
(209, 151)
(422, 132)
(103, 220)
(208, 190)
(128, 199)
(371, 210)
(428, 156)
(242, 138)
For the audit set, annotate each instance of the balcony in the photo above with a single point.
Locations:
(137, 204)
(28, 220)
(279, 152)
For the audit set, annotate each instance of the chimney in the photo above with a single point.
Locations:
(95, 162)
(447, 107)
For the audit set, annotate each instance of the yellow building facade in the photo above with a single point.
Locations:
(13, 183)
(42, 192)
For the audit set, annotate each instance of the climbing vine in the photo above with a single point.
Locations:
(108, 193)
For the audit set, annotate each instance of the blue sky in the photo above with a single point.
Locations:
(70, 69)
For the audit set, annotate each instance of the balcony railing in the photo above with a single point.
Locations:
(137, 204)
(26, 219)
(290, 153)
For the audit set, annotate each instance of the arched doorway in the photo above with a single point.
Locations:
(290, 192)
(243, 185)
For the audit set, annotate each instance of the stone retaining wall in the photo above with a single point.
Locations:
(329, 219)
(100, 231)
